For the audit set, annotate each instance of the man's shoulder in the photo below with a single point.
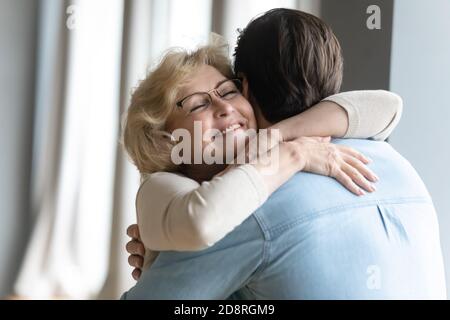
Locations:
(398, 181)
(383, 154)
(365, 144)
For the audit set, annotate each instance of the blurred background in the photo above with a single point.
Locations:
(67, 68)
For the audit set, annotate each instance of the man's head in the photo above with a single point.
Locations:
(291, 60)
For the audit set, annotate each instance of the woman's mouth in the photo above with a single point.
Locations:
(233, 127)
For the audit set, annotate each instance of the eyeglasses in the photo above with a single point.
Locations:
(199, 101)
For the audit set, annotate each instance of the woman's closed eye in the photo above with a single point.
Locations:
(199, 107)
(230, 94)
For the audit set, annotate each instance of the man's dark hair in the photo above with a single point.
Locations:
(291, 59)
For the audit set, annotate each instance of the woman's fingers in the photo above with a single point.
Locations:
(136, 274)
(133, 231)
(343, 163)
(136, 250)
(354, 153)
(361, 167)
(347, 182)
(135, 247)
(357, 177)
(136, 261)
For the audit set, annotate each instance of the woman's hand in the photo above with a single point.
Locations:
(343, 163)
(136, 249)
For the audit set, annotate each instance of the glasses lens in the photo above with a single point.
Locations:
(196, 102)
(229, 89)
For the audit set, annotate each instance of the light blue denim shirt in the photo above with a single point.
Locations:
(313, 239)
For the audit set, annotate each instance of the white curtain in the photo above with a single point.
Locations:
(91, 54)
(75, 148)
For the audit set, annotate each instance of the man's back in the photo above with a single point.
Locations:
(313, 239)
(326, 243)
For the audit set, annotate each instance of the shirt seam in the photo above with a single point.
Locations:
(323, 212)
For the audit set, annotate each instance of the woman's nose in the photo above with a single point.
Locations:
(222, 107)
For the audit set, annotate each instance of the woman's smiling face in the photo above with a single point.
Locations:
(225, 110)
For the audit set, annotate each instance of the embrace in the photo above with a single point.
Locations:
(342, 215)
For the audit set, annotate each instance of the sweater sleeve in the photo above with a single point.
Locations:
(177, 213)
(371, 113)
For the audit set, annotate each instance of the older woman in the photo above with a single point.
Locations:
(191, 206)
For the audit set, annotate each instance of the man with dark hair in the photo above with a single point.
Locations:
(297, 63)
(311, 239)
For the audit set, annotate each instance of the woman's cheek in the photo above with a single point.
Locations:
(252, 121)
(250, 115)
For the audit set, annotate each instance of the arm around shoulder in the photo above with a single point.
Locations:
(177, 213)
(371, 113)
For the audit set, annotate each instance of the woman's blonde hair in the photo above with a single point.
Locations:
(152, 102)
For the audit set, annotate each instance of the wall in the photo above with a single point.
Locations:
(420, 73)
(366, 52)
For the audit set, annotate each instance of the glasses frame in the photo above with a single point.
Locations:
(237, 82)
